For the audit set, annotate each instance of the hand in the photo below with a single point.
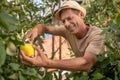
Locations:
(31, 35)
(39, 60)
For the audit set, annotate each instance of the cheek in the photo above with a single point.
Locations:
(79, 22)
(75, 21)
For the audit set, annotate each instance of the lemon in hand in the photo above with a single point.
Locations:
(27, 49)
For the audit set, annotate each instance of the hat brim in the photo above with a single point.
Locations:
(57, 13)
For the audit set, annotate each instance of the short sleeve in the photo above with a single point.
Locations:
(96, 44)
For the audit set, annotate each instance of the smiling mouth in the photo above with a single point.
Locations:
(72, 28)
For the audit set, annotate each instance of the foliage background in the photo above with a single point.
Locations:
(19, 16)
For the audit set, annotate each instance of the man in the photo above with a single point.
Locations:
(86, 41)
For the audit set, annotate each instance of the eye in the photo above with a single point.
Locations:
(69, 18)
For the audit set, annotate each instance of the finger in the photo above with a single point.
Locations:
(26, 58)
(24, 62)
(36, 54)
(39, 48)
(22, 53)
(39, 51)
(32, 37)
(27, 36)
(22, 56)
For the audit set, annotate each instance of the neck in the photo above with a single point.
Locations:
(83, 32)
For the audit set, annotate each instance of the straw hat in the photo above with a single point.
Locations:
(72, 5)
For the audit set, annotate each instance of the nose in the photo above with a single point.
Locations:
(66, 23)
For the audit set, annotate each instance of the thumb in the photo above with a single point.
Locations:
(37, 48)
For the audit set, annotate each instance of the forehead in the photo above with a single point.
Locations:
(66, 12)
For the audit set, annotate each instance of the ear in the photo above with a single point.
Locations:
(81, 15)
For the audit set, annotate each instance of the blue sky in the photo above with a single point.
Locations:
(37, 1)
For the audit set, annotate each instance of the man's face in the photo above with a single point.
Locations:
(71, 21)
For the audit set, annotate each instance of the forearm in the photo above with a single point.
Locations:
(75, 64)
(41, 28)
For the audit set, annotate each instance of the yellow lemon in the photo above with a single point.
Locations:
(27, 49)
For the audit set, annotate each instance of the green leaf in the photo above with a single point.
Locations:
(2, 53)
(48, 76)
(117, 18)
(30, 72)
(83, 78)
(1, 1)
(118, 68)
(14, 76)
(21, 77)
(7, 21)
(11, 27)
(14, 66)
(1, 71)
(4, 24)
(98, 76)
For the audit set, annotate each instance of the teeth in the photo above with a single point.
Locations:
(72, 28)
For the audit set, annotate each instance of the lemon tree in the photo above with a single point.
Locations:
(14, 18)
